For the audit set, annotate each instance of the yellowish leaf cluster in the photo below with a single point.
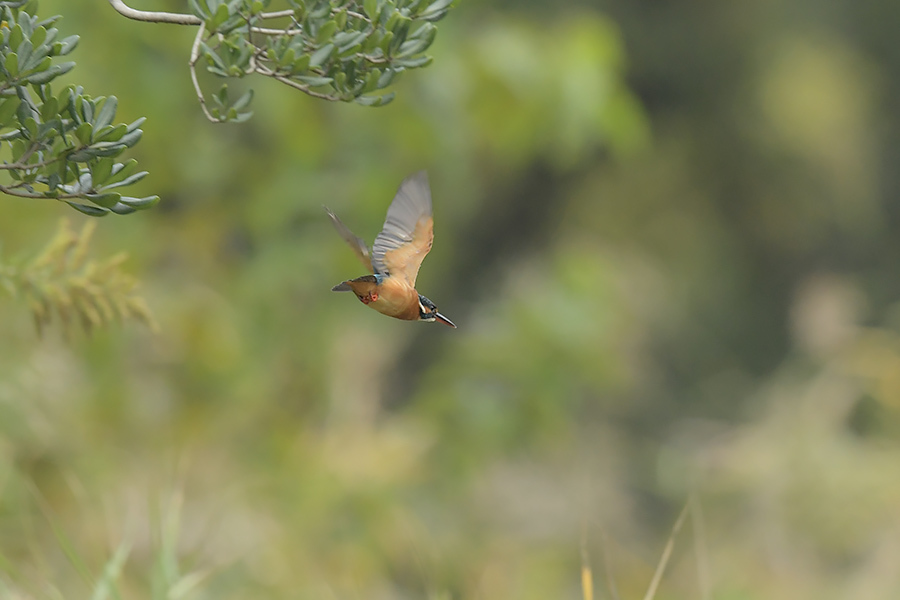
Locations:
(62, 282)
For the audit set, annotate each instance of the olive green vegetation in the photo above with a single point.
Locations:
(667, 235)
(62, 145)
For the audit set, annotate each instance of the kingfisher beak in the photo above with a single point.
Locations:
(444, 320)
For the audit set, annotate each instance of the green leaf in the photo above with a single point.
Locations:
(386, 78)
(340, 81)
(84, 132)
(38, 37)
(436, 10)
(12, 64)
(392, 21)
(131, 138)
(199, 8)
(122, 209)
(135, 124)
(401, 29)
(86, 107)
(43, 65)
(385, 42)
(25, 52)
(351, 40)
(98, 151)
(101, 171)
(8, 110)
(372, 80)
(370, 7)
(218, 19)
(375, 100)
(24, 111)
(111, 133)
(213, 58)
(321, 55)
(413, 63)
(131, 179)
(91, 211)
(244, 101)
(106, 113)
(287, 58)
(372, 41)
(320, 10)
(50, 74)
(326, 31)
(341, 19)
(16, 36)
(412, 47)
(221, 97)
(18, 149)
(301, 65)
(121, 171)
(65, 45)
(140, 203)
(314, 81)
(107, 200)
(31, 127)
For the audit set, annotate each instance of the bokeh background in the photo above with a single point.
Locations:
(668, 233)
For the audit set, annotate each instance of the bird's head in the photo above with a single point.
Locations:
(429, 312)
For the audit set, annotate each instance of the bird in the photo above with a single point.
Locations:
(396, 256)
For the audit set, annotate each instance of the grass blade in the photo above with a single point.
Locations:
(667, 553)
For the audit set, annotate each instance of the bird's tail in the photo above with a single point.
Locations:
(341, 287)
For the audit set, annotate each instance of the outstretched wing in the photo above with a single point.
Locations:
(408, 231)
(359, 247)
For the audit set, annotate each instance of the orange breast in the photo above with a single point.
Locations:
(398, 299)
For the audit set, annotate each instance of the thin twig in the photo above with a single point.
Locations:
(277, 15)
(195, 54)
(15, 191)
(374, 59)
(154, 17)
(303, 88)
(27, 154)
(185, 19)
(268, 73)
(266, 31)
(22, 165)
(667, 553)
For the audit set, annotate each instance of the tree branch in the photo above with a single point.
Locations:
(22, 163)
(14, 191)
(195, 54)
(20, 166)
(154, 17)
(265, 31)
(269, 73)
(183, 19)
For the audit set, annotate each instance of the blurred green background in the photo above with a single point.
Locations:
(667, 232)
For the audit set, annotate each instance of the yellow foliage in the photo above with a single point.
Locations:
(62, 281)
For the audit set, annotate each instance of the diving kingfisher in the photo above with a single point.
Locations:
(396, 256)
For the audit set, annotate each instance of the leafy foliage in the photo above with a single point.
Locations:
(338, 51)
(61, 146)
(62, 281)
